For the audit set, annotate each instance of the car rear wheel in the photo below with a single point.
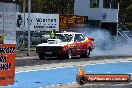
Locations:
(87, 53)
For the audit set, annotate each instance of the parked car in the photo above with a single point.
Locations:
(66, 45)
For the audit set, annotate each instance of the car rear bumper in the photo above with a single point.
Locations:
(51, 51)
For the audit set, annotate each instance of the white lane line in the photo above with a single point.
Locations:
(129, 73)
(74, 82)
(88, 71)
(68, 83)
(59, 85)
(41, 87)
(108, 72)
(35, 70)
(52, 68)
(125, 61)
(52, 85)
(44, 69)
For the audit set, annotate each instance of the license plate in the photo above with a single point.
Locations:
(48, 52)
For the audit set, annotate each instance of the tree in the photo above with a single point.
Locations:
(125, 13)
(66, 7)
(50, 6)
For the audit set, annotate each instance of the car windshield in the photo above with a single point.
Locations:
(64, 37)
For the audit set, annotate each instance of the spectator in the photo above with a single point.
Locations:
(53, 34)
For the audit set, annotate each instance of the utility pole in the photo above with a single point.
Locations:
(3, 20)
(29, 11)
(23, 43)
(24, 14)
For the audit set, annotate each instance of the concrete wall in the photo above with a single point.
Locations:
(82, 8)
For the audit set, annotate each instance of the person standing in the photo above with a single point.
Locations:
(53, 34)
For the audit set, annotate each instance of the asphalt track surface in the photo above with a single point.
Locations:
(63, 76)
(47, 78)
(36, 61)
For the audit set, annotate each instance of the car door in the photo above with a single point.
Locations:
(78, 43)
(83, 44)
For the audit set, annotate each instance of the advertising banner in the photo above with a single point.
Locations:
(38, 22)
(71, 21)
(82, 77)
(110, 15)
(7, 64)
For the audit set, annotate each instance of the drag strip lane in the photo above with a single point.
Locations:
(65, 75)
(20, 62)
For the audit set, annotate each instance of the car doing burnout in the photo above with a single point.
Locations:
(66, 45)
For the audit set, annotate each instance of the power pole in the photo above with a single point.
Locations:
(29, 11)
(24, 3)
(23, 26)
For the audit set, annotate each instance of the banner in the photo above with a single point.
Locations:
(7, 64)
(38, 22)
(109, 15)
(83, 78)
(72, 21)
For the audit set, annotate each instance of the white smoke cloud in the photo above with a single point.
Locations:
(108, 45)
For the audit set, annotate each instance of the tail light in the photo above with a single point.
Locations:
(92, 39)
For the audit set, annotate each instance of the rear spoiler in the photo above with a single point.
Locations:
(92, 39)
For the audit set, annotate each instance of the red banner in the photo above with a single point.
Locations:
(7, 64)
(83, 78)
(71, 21)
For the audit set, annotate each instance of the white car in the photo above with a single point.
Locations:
(66, 45)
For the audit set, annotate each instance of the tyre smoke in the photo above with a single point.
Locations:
(105, 44)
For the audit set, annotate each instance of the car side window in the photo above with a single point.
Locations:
(79, 38)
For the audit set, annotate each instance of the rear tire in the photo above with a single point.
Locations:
(86, 54)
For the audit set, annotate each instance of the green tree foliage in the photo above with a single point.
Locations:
(66, 7)
(50, 6)
(125, 13)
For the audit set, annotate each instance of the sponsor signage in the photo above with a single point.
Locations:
(83, 78)
(7, 64)
(72, 21)
(38, 22)
(110, 15)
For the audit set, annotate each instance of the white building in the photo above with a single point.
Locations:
(102, 13)
(8, 9)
